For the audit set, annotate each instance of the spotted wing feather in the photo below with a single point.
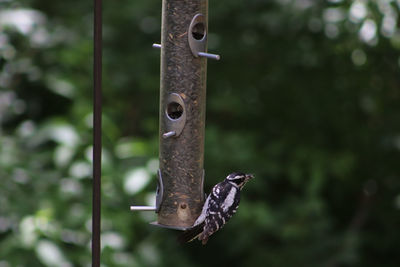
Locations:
(223, 203)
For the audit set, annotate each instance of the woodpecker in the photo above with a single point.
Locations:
(218, 208)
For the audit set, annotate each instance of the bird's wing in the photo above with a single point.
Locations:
(224, 201)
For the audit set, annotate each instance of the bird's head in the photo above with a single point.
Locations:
(239, 178)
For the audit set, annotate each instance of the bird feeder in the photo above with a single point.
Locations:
(184, 34)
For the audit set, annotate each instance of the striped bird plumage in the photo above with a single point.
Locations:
(220, 205)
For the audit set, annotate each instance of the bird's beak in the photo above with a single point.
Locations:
(249, 176)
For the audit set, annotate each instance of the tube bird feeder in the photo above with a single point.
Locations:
(184, 34)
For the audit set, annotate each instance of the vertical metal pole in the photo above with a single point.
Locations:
(182, 115)
(97, 71)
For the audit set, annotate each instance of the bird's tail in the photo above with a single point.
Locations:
(191, 233)
(203, 237)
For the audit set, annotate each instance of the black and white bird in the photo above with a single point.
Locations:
(218, 208)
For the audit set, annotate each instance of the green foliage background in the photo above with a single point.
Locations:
(306, 96)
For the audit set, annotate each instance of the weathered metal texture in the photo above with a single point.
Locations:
(183, 78)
